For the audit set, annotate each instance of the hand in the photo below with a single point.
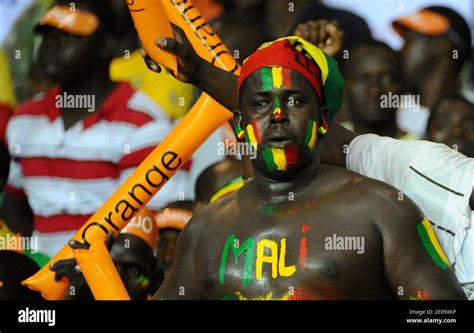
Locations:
(188, 60)
(325, 34)
(70, 269)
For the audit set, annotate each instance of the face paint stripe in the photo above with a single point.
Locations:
(268, 158)
(286, 74)
(310, 137)
(266, 75)
(257, 132)
(277, 76)
(276, 108)
(309, 129)
(279, 159)
(250, 136)
(291, 156)
(430, 247)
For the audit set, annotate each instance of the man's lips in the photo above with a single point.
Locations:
(278, 139)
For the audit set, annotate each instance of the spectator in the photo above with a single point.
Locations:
(437, 44)
(373, 76)
(67, 160)
(452, 122)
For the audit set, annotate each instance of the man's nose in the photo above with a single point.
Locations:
(279, 117)
(375, 88)
(278, 114)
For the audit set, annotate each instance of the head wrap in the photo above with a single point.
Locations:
(299, 55)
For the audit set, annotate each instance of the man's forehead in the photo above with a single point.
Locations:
(276, 77)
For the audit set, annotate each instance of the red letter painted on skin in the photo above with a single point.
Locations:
(303, 246)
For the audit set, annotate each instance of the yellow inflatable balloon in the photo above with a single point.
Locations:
(100, 272)
(146, 15)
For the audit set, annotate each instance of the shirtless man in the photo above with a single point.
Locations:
(299, 230)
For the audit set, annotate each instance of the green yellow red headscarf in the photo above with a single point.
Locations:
(297, 54)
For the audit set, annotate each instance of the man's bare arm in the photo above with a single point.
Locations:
(217, 83)
(415, 267)
(182, 281)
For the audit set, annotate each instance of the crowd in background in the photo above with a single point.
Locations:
(58, 164)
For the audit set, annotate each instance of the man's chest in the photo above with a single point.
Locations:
(292, 252)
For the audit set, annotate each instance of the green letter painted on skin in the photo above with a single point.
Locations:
(248, 246)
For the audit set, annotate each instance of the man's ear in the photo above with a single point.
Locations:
(323, 122)
(237, 117)
(239, 132)
(323, 115)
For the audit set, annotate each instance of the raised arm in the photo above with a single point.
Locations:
(416, 267)
(182, 281)
(217, 83)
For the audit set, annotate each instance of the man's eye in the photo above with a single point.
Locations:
(259, 103)
(294, 101)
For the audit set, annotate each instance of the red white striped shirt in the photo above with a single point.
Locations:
(68, 174)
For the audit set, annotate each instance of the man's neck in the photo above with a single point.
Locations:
(273, 189)
(97, 83)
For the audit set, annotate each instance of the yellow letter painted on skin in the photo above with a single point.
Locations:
(282, 269)
(262, 258)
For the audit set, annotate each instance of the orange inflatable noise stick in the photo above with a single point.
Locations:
(100, 272)
(162, 163)
(150, 21)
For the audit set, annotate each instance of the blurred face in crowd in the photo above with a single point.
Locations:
(417, 60)
(134, 261)
(452, 123)
(247, 4)
(166, 248)
(373, 72)
(280, 121)
(64, 57)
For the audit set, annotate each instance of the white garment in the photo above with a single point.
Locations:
(437, 178)
(49, 243)
(413, 120)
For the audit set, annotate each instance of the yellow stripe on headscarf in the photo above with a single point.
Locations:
(313, 51)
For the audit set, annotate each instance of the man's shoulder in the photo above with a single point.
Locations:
(39, 105)
(373, 193)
